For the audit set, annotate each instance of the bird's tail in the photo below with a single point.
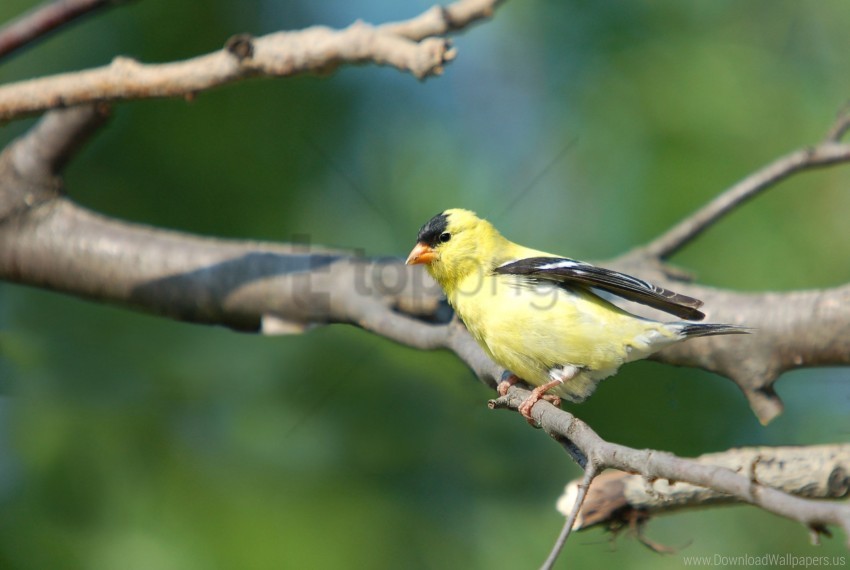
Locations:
(692, 330)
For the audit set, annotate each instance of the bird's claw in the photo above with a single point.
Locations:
(536, 395)
(552, 399)
(525, 410)
(505, 385)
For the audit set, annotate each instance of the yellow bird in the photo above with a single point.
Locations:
(539, 316)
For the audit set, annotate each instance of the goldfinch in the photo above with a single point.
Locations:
(539, 315)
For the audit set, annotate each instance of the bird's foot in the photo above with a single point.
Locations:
(508, 380)
(536, 395)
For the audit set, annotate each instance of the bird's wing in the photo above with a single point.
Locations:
(567, 271)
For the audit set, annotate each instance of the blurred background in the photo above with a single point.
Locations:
(585, 128)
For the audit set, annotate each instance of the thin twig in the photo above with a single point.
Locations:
(44, 19)
(841, 125)
(687, 230)
(590, 473)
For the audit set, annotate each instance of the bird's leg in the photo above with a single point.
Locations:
(508, 380)
(563, 374)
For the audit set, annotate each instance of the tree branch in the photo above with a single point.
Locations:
(653, 465)
(48, 241)
(572, 511)
(441, 20)
(841, 125)
(826, 153)
(754, 362)
(618, 498)
(282, 54)
(45, 19)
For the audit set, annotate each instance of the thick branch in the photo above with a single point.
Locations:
(282, 54)
(244, 285)
(48, 241)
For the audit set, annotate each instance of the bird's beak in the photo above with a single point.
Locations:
(421, 254)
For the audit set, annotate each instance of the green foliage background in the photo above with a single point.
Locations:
(587, 128)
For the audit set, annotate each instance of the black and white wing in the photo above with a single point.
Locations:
(578, 273)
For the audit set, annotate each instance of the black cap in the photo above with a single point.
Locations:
(430, 233)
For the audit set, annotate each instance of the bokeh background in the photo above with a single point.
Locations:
(133, 442)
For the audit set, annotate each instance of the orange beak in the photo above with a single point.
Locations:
(421, 254)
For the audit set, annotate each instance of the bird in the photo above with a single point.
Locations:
(543, 317)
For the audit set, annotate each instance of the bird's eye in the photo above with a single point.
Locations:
(445, 236)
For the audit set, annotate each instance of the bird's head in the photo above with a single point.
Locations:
(455, 243)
